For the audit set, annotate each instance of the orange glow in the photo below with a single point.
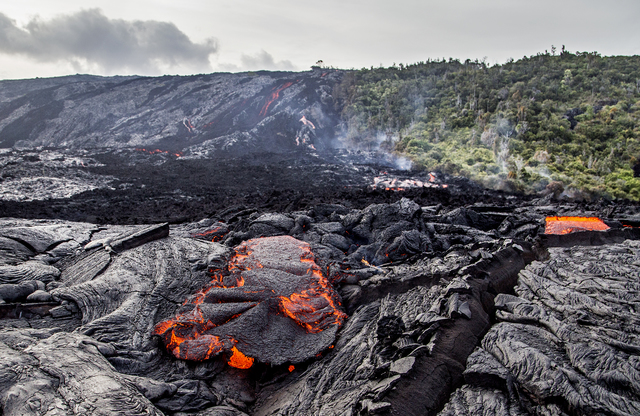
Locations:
(154, 151)
(317, 308)
(312, 309)
(307, 123)
(239, 360)
(216, 234)
(291, 368)
(566, 225)
(274, 96)
(310, 302)
(188, 125)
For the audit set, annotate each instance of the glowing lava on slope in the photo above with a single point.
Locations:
(274, 96)
(156, 151)
(566, 225)
(271, 303)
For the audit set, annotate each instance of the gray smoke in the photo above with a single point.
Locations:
(89, 39)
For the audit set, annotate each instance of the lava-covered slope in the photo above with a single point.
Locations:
(217, 112)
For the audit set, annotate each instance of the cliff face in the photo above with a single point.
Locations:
(216, 112)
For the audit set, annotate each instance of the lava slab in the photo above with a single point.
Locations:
(271, 303)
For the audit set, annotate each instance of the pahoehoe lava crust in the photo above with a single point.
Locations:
(272, 303)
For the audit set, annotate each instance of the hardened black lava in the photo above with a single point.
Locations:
(160, 188)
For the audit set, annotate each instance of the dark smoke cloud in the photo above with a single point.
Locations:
(90, 39)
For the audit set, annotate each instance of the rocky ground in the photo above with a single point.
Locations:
(129, 186)
(467, 310)
(203, 246)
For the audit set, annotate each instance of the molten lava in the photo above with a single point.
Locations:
(274, 96)
(155, 151)
(566, 225)
(274, 276)
(307, 123)
(187, 123)
(215, 234)
(239, 360)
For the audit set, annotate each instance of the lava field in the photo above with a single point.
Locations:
(199, 263)
(391, 308)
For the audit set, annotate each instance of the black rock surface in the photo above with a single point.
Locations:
(460, 318)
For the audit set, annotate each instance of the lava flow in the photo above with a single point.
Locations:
(270, 292)
(274, 96)
(307, 123)
(239, 360)
(566, 225)
(155, 151)
(187, 123)
(216, 234)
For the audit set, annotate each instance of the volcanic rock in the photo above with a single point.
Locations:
(39, 296)
(12, 252)
(30, 270)
(421, 317)
(15, 292)
(565, 344)
(64, 374)
(272, 304)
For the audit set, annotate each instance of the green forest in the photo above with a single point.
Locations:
(563, 123)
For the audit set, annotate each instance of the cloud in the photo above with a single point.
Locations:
(90, 40)
(264, 60)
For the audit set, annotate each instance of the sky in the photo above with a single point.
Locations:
(45, 38)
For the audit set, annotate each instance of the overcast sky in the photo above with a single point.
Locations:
(43, 38)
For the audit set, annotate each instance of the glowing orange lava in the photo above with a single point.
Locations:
(566, 225)
(155, 151)
(316, 308)
(307, 122)
(300, 292)
(291, 368)
(274, 96)
(239, 360)
(216, 234)
(187, 123)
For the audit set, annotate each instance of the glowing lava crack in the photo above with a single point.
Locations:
(566, 225)
(272, 304)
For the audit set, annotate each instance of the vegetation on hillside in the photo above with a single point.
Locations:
(565, 122)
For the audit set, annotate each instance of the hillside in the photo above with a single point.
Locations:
(222, 114)
(562, 122)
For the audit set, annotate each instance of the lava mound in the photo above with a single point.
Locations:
(270, 303)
